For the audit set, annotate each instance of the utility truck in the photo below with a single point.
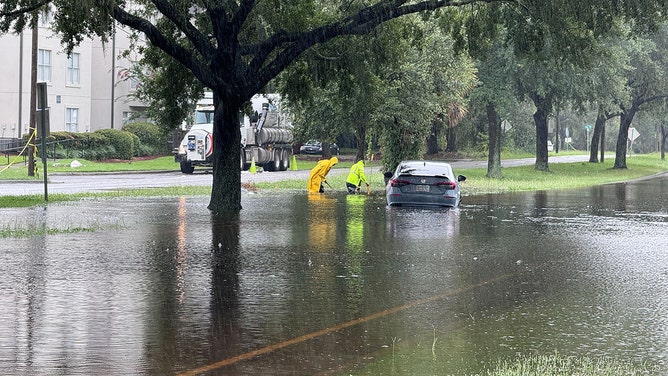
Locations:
(266, 136)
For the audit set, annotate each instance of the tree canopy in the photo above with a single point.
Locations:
(236, 47)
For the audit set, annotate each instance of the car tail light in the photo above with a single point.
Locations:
(447, 184)
(397, 183)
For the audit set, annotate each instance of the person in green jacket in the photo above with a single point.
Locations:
(356, 177)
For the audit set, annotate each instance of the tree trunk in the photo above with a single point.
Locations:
(326, 150)
(494, 130)
(360, 135)
(432, 140)
(557, 128)
(662, 146)
(540, 119)
(226, 188)
(452, 140)
(596, 137)
(603, 141)
(623, 136)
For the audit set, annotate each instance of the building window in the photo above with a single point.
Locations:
(73, 69)
(72, 119)
(134, 83)
(44, 65)
(45, 18)
(127, 115)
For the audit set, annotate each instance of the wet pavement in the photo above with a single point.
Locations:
(334, 284)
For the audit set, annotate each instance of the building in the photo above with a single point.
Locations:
(87, 91)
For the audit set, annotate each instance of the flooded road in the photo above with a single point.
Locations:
(334, 284)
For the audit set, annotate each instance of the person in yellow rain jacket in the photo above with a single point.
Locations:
(356, 177)
(319, 174)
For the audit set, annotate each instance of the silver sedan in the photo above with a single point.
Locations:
(420, 183)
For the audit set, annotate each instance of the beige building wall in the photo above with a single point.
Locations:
(10, 111)
(84, 105)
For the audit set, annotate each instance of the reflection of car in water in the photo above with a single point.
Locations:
(315, 147)
(423, 183)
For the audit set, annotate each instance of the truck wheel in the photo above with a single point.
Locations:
(285, 159)
(187, 167)
(277, 160)
(275, 163)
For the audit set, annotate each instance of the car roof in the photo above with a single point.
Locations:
(432, 168)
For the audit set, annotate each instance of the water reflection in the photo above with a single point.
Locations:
(309, 284)
(225, 284)
(321, 222)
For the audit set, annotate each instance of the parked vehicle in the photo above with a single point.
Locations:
(315, 147)
(417, 183)
(266, 140)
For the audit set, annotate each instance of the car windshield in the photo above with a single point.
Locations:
(203, 117)
(426, 169)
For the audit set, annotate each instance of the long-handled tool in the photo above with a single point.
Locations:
(329, 185)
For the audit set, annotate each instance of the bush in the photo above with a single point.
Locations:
(108, 143)
(153, 140)
(123, 142)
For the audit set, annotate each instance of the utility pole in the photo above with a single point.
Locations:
(33, 94)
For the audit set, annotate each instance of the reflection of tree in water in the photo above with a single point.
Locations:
(225, 268)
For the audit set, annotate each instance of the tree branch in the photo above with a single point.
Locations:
(360, 23)
(26, 9)
(179, 19)
(181, 54)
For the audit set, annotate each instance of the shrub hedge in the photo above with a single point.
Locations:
(136, 139)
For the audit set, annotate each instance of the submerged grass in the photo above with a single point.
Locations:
(25, 231)
(418, 359)
(37, 200)
(559, 365)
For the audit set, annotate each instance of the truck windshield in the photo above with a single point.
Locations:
(203, 117)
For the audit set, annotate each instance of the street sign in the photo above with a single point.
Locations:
(633, 134)
(505, 125)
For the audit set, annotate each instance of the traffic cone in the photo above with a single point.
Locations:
(293, 163)
(253, 168)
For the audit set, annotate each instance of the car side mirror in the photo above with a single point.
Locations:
(461, 178)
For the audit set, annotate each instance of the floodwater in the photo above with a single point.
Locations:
(334, 284)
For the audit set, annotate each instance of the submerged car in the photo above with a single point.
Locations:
(315, 147)
(418, 183)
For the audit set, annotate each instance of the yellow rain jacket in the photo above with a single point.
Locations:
(356, 176)
(319, 174)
